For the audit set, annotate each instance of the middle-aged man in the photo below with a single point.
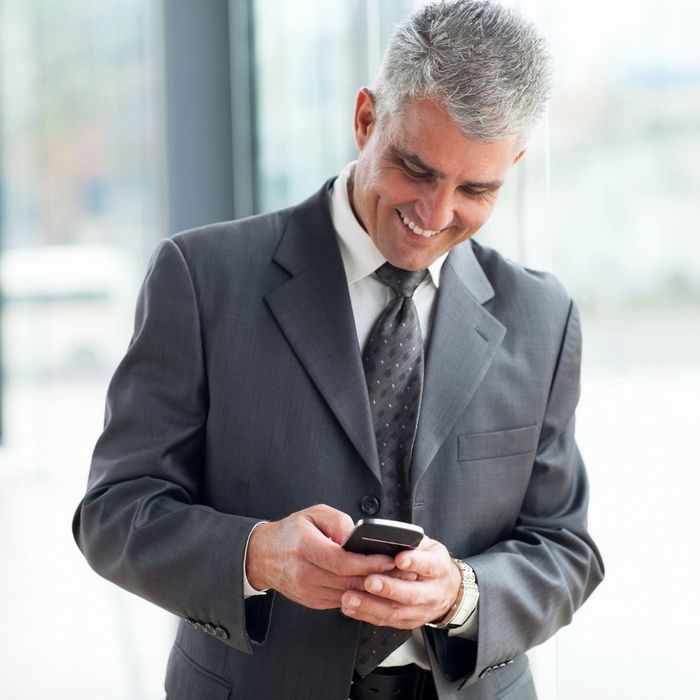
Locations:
(359, 355)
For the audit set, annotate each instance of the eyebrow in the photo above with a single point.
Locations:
(415, 160)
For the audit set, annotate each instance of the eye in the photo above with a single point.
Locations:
(476, 194)
(416, 174)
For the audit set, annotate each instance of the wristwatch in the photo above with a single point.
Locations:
(467, 599)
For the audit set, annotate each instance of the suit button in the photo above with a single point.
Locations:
(369, 505)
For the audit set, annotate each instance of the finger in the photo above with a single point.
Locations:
(429, 562)
(340, 584)
(402, 575)
(319, 589)
(321, 577)
(336, 525)
(319, 598)
(331, 522)
(380, 612)
(411, 593)
(345, 563)
(330, 556)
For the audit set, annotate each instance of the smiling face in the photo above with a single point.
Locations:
(420, 185)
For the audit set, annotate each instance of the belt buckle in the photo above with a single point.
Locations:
(388, 683)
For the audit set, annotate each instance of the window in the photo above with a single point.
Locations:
(80, 154)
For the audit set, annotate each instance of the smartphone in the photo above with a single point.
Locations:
(378, 536)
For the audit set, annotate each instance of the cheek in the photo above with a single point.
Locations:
(475, 213)
(394, 191)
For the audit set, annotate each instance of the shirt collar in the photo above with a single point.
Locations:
(360, 256)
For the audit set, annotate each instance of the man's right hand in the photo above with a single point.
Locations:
(301, 557)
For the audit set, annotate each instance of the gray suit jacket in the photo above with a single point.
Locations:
(242, 397)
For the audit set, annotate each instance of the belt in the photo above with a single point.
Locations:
(394, 683)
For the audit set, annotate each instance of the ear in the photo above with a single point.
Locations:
(365, 117)
(519, 156)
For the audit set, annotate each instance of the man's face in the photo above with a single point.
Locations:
(420, 185)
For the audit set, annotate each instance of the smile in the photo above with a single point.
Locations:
(416, 228)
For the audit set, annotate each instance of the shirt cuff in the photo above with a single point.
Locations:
(248, 590)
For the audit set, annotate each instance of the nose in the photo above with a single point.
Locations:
(435, 208)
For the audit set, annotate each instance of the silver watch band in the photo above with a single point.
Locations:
(467, 604)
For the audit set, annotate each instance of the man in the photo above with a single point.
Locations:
(283, 381)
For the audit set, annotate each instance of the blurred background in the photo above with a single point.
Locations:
(122, 121)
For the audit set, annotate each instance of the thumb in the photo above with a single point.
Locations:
(331, 522)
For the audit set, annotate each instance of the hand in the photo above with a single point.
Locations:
(301, 557)
(393, 600)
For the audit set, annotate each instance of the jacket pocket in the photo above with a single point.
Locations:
(186, 679)
(501, 443)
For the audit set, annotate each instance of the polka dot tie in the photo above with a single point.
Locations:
(393, 362)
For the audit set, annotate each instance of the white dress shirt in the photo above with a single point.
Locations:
(368, 297)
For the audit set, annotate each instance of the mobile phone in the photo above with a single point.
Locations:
(378, 536)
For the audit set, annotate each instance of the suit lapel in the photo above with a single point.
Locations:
(314, 312)
(463, 341)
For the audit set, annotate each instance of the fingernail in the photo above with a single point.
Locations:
(376, 585)
(406, 563)
(353, 602)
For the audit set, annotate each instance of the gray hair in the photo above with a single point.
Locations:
(484, 64)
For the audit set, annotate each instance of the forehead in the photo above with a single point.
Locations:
(421, 128)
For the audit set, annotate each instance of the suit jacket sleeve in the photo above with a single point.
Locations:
(531, 583)
(140, 524)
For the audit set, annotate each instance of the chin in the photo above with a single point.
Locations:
(410, 262)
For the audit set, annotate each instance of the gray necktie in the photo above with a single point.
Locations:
(393, 362)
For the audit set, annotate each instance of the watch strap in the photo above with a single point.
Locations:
(467, 599)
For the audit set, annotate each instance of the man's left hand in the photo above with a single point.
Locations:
(422, 589)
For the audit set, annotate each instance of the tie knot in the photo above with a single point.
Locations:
(403, 282)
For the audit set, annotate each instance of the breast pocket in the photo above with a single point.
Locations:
(497, 444)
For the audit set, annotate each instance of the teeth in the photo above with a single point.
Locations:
(416, 228)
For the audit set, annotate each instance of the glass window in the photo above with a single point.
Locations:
(311, 58)
(79, 178)
(625, 134)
